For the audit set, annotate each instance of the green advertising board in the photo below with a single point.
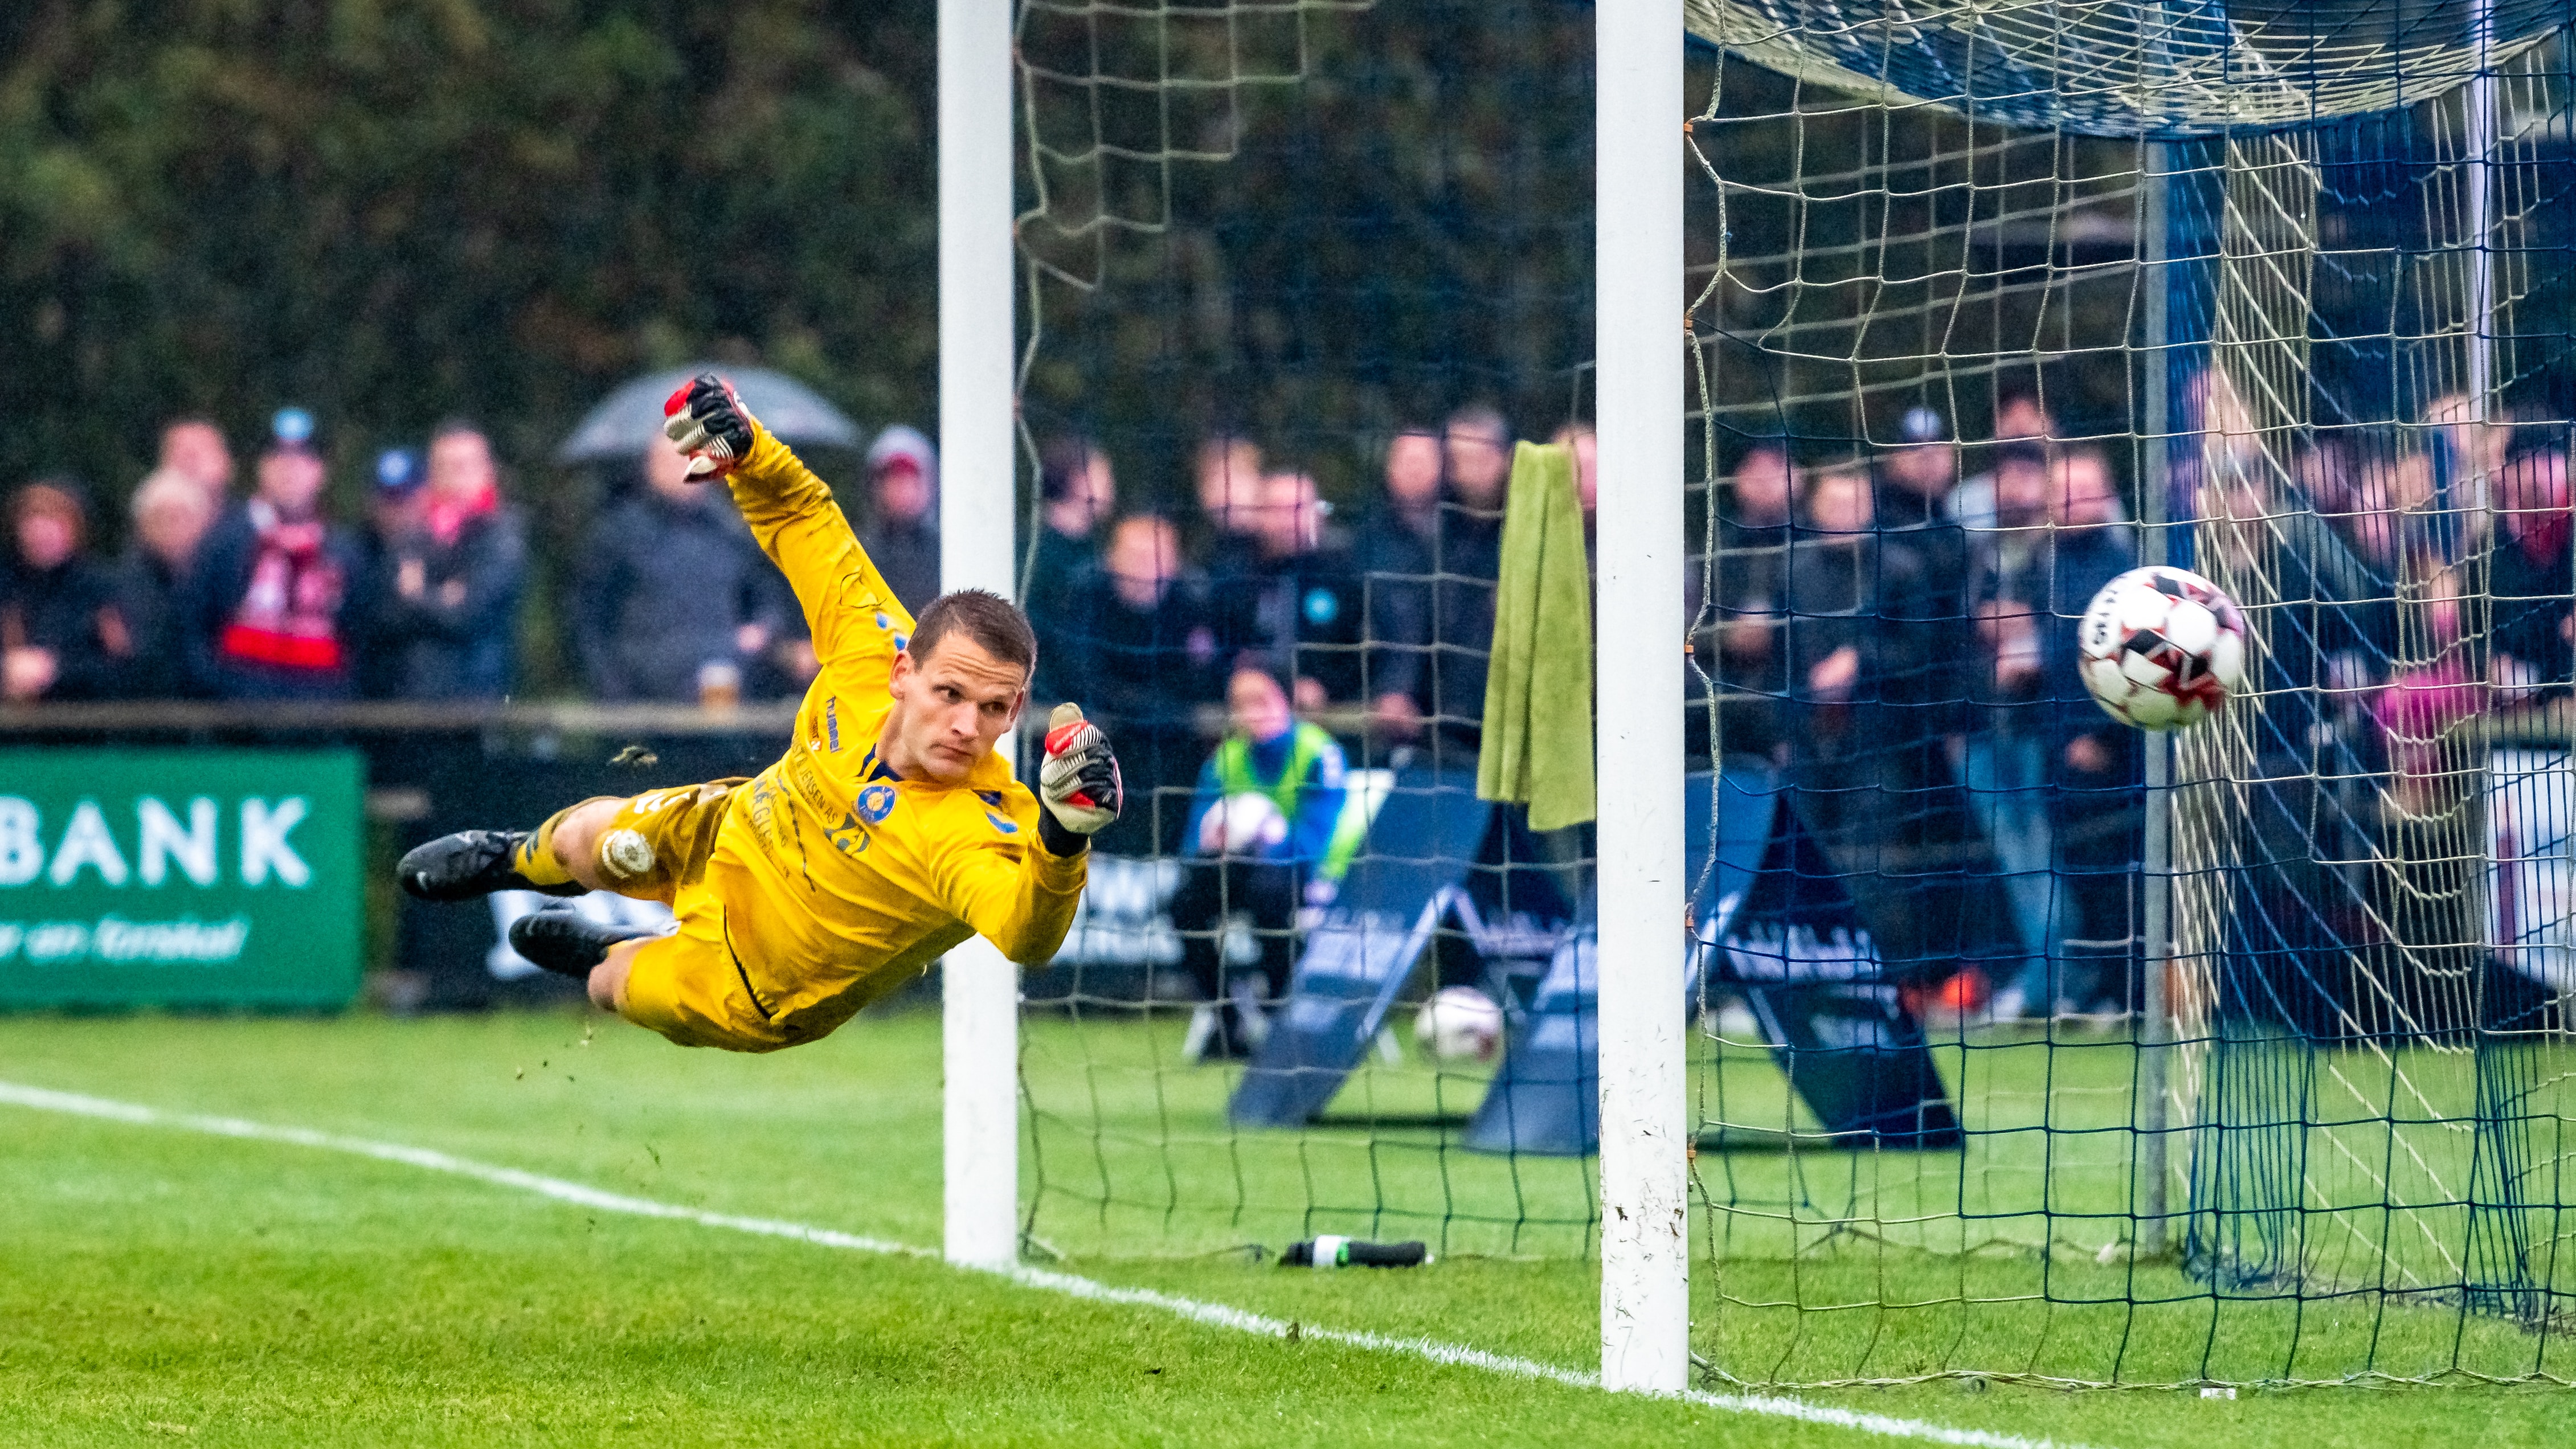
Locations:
(180, 878)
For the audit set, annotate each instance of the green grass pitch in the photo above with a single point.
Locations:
(159, 1285)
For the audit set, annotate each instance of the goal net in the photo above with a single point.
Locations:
(2026, 1044)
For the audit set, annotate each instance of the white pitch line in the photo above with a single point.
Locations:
(1214, 1315)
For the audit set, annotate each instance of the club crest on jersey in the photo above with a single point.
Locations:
(875, 803)
(992, 806)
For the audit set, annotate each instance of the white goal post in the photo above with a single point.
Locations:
(1643, 1027)
(978, 507)
(1637, 286)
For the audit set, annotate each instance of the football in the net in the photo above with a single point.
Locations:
(1460, 1024)
(2163, 648)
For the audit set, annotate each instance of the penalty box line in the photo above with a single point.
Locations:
(1213, 1315)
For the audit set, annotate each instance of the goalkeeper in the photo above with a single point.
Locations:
(888, 833)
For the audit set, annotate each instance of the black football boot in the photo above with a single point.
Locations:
(472, 863)
(568, 943)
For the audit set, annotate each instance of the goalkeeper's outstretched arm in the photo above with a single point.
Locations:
(792, 513)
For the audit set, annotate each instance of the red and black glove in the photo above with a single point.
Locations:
(705, 421)
(1079, 792)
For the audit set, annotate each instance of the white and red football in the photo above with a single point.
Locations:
(2163, 648)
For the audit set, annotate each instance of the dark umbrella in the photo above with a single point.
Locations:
(631, 417)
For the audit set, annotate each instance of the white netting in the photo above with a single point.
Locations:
(2110, 68)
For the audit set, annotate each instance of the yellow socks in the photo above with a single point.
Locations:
(535, 859)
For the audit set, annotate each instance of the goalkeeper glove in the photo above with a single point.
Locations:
(1079, 792)
(704, 420)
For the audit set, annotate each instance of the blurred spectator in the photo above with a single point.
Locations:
(194, 449)
(1395, 556)
(2007, 760)
(62, 634)
(1476, 448)
(674, 598)
(2349, 481)
(1879, 798)
(1077, 493)
(1931, 826)
(1830, 594)
(2531, 574)
(1915, 479)
(1917, 476)
(270, 603)
(902, 536)
(1469, 559)
(2019, 417)
(1260, 839)
(2097, 780)
(393, 525)
(1227, 475)
(447, 588)
(172, 513)
(1586, 444)
(1297, 603)
(1149, 646)
(1145, 654)
(1750, 653)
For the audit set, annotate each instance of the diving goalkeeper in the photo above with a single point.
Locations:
(888, 833)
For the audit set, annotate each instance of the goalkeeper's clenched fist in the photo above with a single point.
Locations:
(704, 420)
(1079, 791)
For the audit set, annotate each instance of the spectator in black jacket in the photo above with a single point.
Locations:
(270, 610)
(1750, 655)
(62, 635)
(1144, 656)
(2530, 574)
(1467, 560)
(172, 513)
(1915, 480)
(902, 536)
(393, 526)
(447, 588)
(1226, 474)
(1922, 880)
(1395, 558)
(673, 598)
(1296, 604)
(2097, 773)
(1077, 492)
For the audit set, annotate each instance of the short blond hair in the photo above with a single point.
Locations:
(163, 487)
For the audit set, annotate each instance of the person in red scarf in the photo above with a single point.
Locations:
(445, 592)
(269, 611)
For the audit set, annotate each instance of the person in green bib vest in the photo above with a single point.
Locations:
(1268, 833)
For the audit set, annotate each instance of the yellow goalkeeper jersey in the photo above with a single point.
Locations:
(837, 880)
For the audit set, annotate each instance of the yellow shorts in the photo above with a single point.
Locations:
(690, 986)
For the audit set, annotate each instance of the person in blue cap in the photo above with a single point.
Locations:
(452, 566)
(393, 520)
